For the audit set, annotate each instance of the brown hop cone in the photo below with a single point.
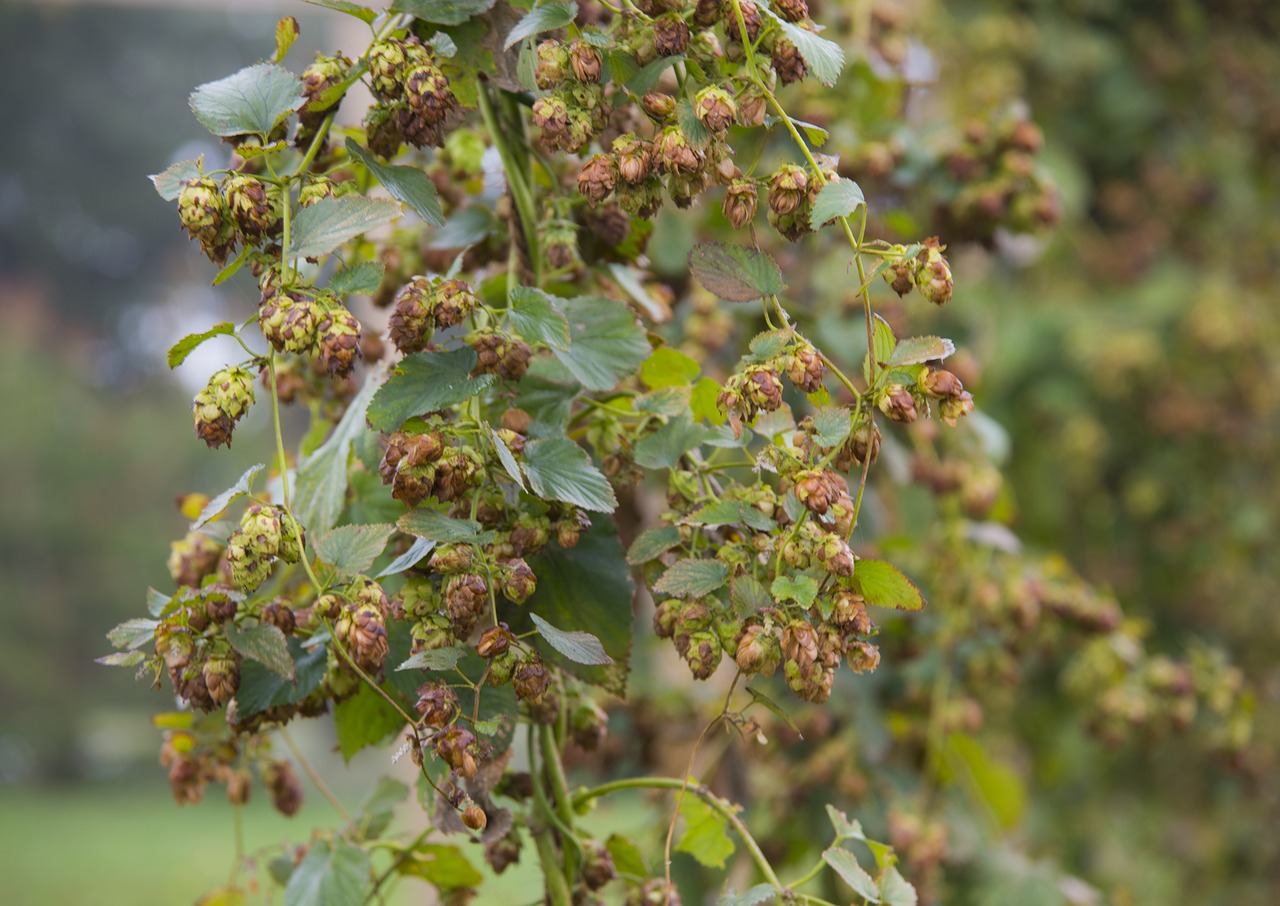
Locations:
(792, 10)
(339, 340)
(260, 525)
(451, 301)
(384, 129)
(788, 189)
(701, 650)
(515, 442)
(255, 213)
(900, 275)
(503, 852)
(411, 322)
(553, 65)
(706, 13)
(787, 62)
(316, 189)
(792, 226)
(319, 77)
(175, 645)
(805, 369)
(863, 657)
(449, 559)
(752, 106)
(530, 534)
(686, 189)
(758, 651)
(740, 200)
(186, 781)
(437, 704)
(597, 178)
(205, 216)
(597, 865)
(221, 404)
(863, 444)
(387, 60)
(283, 786)
(750, 15)
(634, 158)
(365, 591)
(588, 725)
(587, 61)
(473, 817)
(551, 115)
(457, 471)
(465, 597)
(221, 678)
(495, 642)
(427, 92)
(715, 108)
(363, 629)
(531, 680)
(954, 408)
(644, 199)
(808, 678)
(933, 274)
(219, 605)
(455, 746)
(674, 154)
(658, 105)
(762, 387)
(518, 580)
(279, 614)
(670, 35)
(836, 556)
(897, 402)
(849, 612)
(570, 526)
(192, 558)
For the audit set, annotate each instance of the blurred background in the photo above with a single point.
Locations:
(1129, 353)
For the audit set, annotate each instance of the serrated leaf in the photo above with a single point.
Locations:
(698, 135)
(321, 489)
(547, 17)
(845, 864)
(645, 79)
(799, 588)
(882, 345)
(653, 543)
(286, 34)
(465, 228)
(692, 578)
(263, 643)
(579, 647)
(179, 351)
(605, 343)
(320, 228)
(882, 584)
(735, 273)
(831, 426)
(133, 633)
(916, 350)
(702, 402)
(171, 179)
(121, 659)
(157, 602)
(996, 783)
(232, 267)
(704, 836)
(442, 866)
(824, 58)
(362, 279)
(663, 448)
(443, 12)
(262, 688)
(408, 184)
(756, 896)
(351, 549)
(252, 100)
(669, 367)
(428, 523)
(558, 469)
(668, 402)
(631, 280)
(759, 698)
(838, 198)
(364, 719)
(845, 828)
(534, 317)
(363, 13)
(508, 459)
(331, 874)
(748, 595)
(627, 858)
(731, 512)
(426, 382)
(434, 659)
(419, 549)
(895, 890)
(220, 503)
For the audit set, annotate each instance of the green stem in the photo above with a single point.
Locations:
(520, 193)
(808, 876)
(275, 418)
(563, 804)
(368, 680)
(717, 804)
(399, 860)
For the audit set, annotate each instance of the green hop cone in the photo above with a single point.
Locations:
(339, 340)
(252, 208)
(291, 538)
(221, 404)
(202, 210)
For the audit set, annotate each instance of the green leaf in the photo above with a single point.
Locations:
(419, 549)
(252, 100)
(327, 224)
(133, 633)
(646, 78)
(507, 458)
(799, 588)
(652, 543)
(770, 343)
(663, 448)
(831, 426)
(692, 578)
(749, 595)
(442, 866)
(157, 602)
(883, 343)
(362, 279)
(668, 402)
(469, 226)
(437, 527)
(735, 273)
(547, 17)
(761, 893)
(171, 179)
(883, 585)
(916, 350)
(265, 644)
(825, 58)
(443, 12)
(589, 587)
(627, 858)
(223, 500)
(364, 719)
(558, 469)
(732, 512)
(669, 367)
(378, 807)
(759, 698)
(845, 828)
(262, 688)
(895, 889)
(994, 782)
(704, 836)
(533, 315)
(121, 659)
(232, 268)
(605, 343)
(408, 184)
(351, 549)
(434, 659)
(631, 281)
(698, 135)
(838, 198)
(846, 866)
(321, 488)
(363, 13)
(286, 34)
(579, 647)
(331, 874)
(426, 382)
(702, 402)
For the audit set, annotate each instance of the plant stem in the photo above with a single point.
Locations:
(520, 193)
(275, 418)
(399, 860)
(563, 803)
(313, 776)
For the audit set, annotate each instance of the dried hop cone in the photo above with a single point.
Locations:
(289, 321)
(318, 78)
(806, 369)
(251, 206)
(788, 189)
(792, 10)
(362, 629)
(428, 94)
(206, 218)
(518, 580)
(192, 558)
(454, 746)
(897, 402)
(787, 62)
(933, 274)
(465, 597)
(531, 680)
(221, 404)
(715, 108)
(758, 651)
(597, 177)
(437, 704)
(740, 200)
(634, 158)
(338, 340)
(670, 35)
(284, 787)
(552, 66)
(805, 673)
(587, 61)
(221, 678)
(674, 153)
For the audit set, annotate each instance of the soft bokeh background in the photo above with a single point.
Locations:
(1131, 357)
